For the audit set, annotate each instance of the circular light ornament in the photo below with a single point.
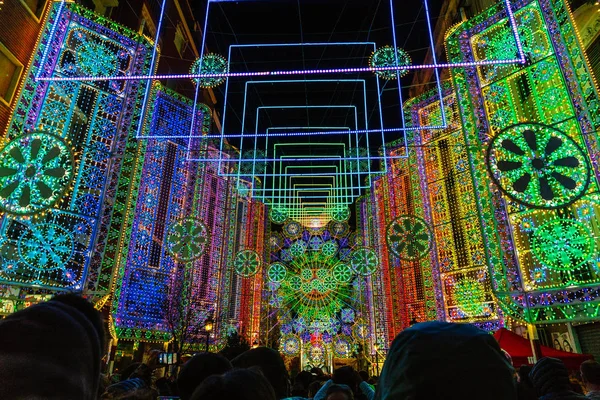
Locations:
(409, 237)
(246, 263)
(35, 171)
(538, 166)
(278, 215)
(209, 64)
(187, 239)
(329, 248)
(290, 345)
(342, 347)
(277, 272)
(298, 248)
(386, 57)
(292, 229)
(342, 273)
(562, 244)
(46, 247)
(364, 261)
(340, 214)
(338, 229)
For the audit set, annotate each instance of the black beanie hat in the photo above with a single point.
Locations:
(550, 375)
(51, 350)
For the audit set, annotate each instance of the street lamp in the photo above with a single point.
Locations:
(208, 327)
(255, 343)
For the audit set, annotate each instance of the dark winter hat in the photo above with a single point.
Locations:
(197, 369)
(51, 350)
(550, 375)
(439, 360)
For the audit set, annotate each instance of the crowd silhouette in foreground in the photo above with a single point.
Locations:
(53, 350)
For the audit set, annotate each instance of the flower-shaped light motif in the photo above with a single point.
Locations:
(46, 247)
(210, 64)
(277, 272)
(364, 261)
(187, 239)
(246, 263)
(348, 315)
(538, 166)
(563, 244)
(470, 297)
(278, 215)
(95, 59)
(409, 237)
(386, 57)
(35, 171)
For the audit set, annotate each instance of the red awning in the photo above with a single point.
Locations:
(519, 349)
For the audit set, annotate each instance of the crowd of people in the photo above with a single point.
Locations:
(53, 350)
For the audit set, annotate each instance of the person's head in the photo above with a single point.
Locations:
(590, 374)
(313, 388)
(428, 359)
(52, 349)
(364, 375)
(549, 375)
(197, 369)
(523, 373)
(339, 392)
(304, 378)
(272, 366)
(345, 376)
(238, 384)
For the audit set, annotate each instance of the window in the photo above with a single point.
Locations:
(10, 72)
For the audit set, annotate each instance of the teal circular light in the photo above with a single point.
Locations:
(210, 64)
(36, 170)
(386, 57)
(46, 247)
(364, 261)
(246, 263)
(95, 59)
(562, 244)
(538, 166)
(277, 272)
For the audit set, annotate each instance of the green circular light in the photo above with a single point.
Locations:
(278, 215)
(364, 261)
(342, 273)
(562, 244)
(211, 64)
(187, 239)
(246, 263)
(277, 272)
(538, 166)
(386, 57)
(35, 171)
(409, 237)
